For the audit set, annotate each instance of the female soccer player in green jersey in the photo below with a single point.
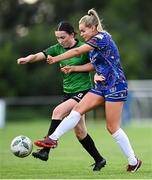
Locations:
(76, 83)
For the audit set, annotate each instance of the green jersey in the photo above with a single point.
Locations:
(75, 81)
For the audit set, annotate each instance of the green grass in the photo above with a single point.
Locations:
(69, 160)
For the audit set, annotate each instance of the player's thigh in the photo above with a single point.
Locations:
(89, 102)
(113, 111)
(64, 108)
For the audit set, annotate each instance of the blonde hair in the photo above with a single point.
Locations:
(92, 19)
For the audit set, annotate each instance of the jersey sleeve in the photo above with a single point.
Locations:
(52, 50)
(100, 41)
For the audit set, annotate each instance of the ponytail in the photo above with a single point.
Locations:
(92, 19)
(94, 13)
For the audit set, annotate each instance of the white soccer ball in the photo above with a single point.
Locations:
(21, 146)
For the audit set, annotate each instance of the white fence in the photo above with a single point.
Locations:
(140, 99)
(2, 113)
(138, 105)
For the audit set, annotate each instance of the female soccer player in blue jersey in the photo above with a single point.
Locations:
(104, 56)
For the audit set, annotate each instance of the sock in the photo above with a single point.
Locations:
(90, 147)
(54, 124)
(123, 141)
(67, 123)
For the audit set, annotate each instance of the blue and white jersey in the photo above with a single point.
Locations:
(106, 60)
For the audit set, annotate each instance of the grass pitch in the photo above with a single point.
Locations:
(69, 160)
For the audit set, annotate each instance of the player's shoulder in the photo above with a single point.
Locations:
(53, 50)
(102, 35)
(57, 45)
(53, 46)
(80, 43)
(57, 48)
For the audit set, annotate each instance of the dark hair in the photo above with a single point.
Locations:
(65, 26)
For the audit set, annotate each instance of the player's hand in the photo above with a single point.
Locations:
(22, 61)
(50, 59)
(67, 69)
(98, 78)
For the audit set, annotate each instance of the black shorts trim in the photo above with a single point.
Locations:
(76, 96)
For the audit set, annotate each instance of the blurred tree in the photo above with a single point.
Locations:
(125, 21)
(29, 28)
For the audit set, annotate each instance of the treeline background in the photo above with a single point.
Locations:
(29, 28)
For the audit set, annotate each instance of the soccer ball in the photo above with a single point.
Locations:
(21, 146)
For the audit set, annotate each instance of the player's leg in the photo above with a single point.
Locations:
(88, 144)
(88, 102)
(114, 101)
(113, 117)
(58, 114)
(80, 131)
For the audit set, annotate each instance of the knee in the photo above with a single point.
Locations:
(76, 108)
(111, 128)
(57, 113)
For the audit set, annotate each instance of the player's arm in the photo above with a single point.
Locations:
(32, 58)
(80, 68)
(69, 54)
